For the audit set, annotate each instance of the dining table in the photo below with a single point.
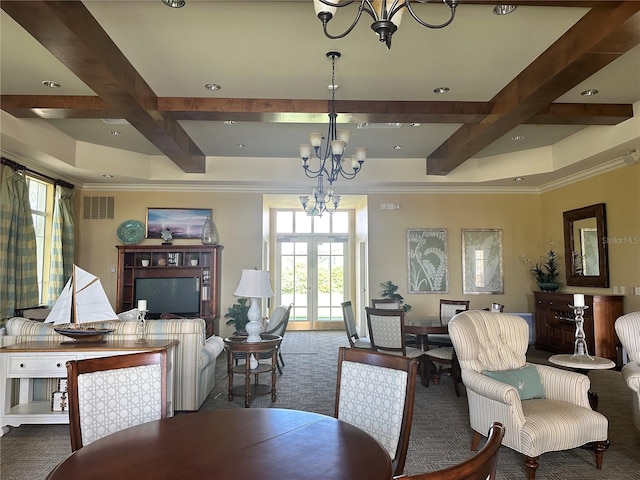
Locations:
(423, 325)
(261, 443)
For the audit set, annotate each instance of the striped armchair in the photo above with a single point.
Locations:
(628, 330)
(495, 344)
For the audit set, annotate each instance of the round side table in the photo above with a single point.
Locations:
(582, 364)
(238, 346)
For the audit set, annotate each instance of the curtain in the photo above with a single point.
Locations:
(62, 242)
(18, 262)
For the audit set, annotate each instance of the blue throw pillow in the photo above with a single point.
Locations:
(526, 380)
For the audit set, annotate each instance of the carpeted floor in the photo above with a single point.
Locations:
(440, 434)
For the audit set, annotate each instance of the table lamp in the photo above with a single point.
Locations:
(254, 284)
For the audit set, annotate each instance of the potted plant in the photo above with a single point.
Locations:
(390, 292)
(193, 260)
(546, 272)
(238, 314)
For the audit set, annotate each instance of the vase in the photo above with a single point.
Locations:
(209, 233)
(548, 286)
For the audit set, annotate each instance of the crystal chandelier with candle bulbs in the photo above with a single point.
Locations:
(329, 163)
(386, 15)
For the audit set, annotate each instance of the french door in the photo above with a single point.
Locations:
(312, 271)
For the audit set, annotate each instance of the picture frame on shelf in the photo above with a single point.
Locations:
(183, 223)
(427, 260)
(482, 268)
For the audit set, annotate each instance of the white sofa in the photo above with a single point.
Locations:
(195, 355)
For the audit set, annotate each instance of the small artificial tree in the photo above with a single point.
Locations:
(390, 292)
(238, 314)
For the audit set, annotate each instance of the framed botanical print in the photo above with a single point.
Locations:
(482, 270)
(427, 262)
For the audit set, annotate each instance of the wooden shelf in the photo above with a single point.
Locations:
(172, 261)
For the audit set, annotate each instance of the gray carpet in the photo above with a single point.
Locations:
(440, 434)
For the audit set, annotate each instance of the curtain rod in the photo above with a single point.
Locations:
(17, 166)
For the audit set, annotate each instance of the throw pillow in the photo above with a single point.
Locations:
(526, 380)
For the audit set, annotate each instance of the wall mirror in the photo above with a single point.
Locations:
(585, 246)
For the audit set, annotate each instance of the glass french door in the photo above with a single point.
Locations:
(313, 276)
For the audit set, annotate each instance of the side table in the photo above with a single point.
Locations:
(239, 345)
(582, 364)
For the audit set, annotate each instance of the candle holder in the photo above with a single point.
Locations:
(142, 326)
(580, 350)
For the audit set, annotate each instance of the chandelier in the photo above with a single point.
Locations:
(323, 201)
(386, 15)
(331, 159)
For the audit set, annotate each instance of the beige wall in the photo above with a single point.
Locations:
(528, 222)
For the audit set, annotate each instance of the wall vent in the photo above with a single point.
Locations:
(99, 208)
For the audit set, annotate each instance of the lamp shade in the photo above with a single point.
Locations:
(254, 284)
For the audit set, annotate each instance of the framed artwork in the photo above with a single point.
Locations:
(181, 222)
(482, 270)
(427, 261)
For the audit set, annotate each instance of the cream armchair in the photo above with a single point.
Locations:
(628, 330)
(495, 344)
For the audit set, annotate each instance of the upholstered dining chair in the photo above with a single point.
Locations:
(542, 408)
(448, 309)
(355, 340)
(375, 392)
(109, 394)
(393, 304)
(277, 325)
(386, 332)
(482, 466)
(628, 330)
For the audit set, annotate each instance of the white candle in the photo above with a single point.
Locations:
(578, 300)
(142, 304)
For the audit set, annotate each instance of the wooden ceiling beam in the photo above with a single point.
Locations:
(309, 111)
(598, 38)
(69, 31)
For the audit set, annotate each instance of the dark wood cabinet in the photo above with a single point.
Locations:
(555, 325)
(172, 261)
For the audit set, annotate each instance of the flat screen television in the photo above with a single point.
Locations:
(176, 295)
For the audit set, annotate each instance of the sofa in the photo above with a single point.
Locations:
(195, 355)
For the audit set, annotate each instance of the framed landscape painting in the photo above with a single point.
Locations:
(181, 222)
(427, 261)
(482, 270)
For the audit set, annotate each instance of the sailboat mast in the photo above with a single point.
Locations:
(74, 309)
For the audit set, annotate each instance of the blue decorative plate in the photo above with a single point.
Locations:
(131, 231)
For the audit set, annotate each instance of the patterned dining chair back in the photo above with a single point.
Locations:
(386, 304)
(449, 308)
(386, 330)
(109, 394)
(350, 327)
(375, 392)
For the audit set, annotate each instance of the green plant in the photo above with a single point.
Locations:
(390, 292)
(238, 314)
(546, 271)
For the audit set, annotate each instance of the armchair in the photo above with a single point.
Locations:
(628, 330)
(555, 416)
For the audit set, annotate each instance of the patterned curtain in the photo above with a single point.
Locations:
(18, 262)
(62, 242)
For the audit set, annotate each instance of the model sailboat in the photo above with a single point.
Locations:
(81, 302)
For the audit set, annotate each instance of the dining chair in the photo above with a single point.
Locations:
(278, 326)
(108, 394)
(386, 332)
(448, 309)
(394, 304)
(542, 408)
(375, 392)
(355, 340)
(482, 466)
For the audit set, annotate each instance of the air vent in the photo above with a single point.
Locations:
(99, 208)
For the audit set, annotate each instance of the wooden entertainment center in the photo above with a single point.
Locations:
(172, 261)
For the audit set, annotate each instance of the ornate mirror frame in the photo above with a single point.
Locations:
(576, 246)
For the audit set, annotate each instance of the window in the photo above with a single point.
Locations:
(41, 203)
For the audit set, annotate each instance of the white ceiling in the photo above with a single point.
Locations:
(276, 50)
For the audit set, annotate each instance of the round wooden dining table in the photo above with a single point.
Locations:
(260, 443)
(422, 326)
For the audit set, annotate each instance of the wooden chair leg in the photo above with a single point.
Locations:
(455, 375)
(531, 464)
(599, 448)
(475, 441)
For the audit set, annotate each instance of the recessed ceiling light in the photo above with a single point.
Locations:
(589, 93)
(517, 137)
(240, 145)
(51, 84)
(174, 3)
(414, 124)
(115, 133)
(397, 147)
(441, 90)
(503, 9)
(229, 122)
(107, 175)
(212, 86)
(518, 179)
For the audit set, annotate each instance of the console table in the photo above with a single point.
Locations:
(29, 360)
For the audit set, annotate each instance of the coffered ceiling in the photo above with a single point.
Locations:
(514, 106)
